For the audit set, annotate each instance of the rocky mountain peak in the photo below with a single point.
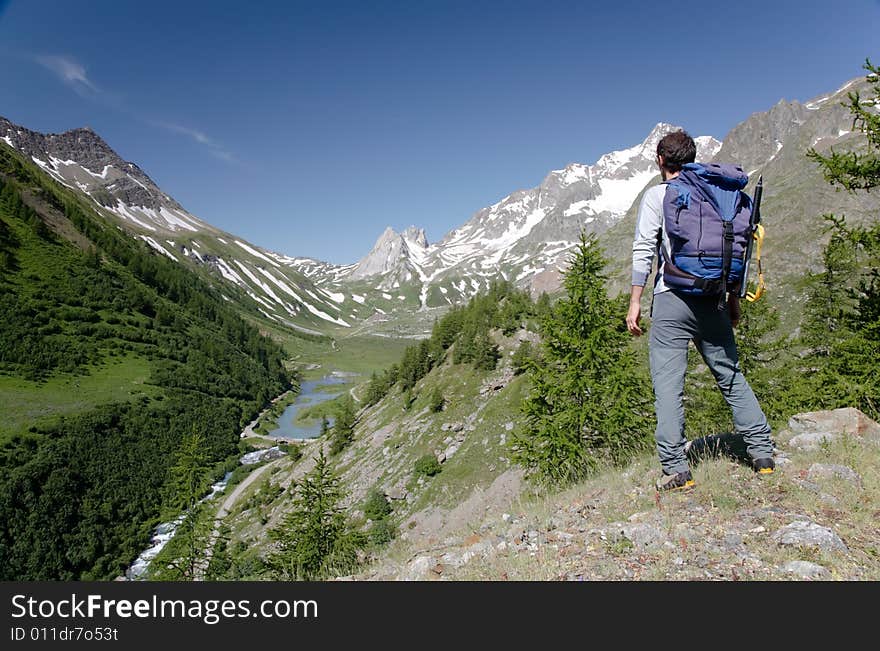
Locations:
(388, 235)
(391, 251)
(416, 236)
(82, 160)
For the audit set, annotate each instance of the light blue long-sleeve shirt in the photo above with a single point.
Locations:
(649, 225)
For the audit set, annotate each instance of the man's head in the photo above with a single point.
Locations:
(675, 150)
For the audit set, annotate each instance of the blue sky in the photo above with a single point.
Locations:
(306, 128)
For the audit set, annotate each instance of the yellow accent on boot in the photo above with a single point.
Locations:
(766, 471)
(668, 484)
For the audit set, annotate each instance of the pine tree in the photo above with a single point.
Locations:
(762, 355)
(842, 321)
(486, 353)
(316, 539)
(590, 401)
(187, 483)
(437, 401)
(857, 170)
(523, 357)
(343, 426)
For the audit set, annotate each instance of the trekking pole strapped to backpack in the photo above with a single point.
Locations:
(756, 235)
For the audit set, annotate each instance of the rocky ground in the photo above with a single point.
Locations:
(816, 518)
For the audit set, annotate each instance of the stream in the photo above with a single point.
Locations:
(309, 395)
(164, 533)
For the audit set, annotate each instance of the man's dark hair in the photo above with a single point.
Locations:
(677, 148)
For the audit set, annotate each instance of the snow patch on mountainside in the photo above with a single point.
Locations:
(161, 249)
(122, 210)
(617, 195)
(323, 315)
(334, 296)
(259, 283)
(256, 253)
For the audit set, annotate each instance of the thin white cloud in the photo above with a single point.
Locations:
(74, 74)
(199, 136)
(223, 155)
(69, 71)
(195, 134)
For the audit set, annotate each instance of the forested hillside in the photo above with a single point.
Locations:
(109, 355)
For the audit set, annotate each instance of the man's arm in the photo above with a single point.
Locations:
(648, 225)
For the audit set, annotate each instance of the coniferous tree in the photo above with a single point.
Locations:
(316, 539)
(437, 401)
(842, 321)
(855, 170)
(589, 402)
(375, 390)
(522, 357)
(187, 484)
(486, 352)
(343, 426)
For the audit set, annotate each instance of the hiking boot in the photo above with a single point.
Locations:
(764, 466)
(675, 482)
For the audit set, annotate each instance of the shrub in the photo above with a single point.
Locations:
(427, 465)
(376, 506)
(437, 400)
(381, 533)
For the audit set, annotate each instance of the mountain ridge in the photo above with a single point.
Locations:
(524, 237)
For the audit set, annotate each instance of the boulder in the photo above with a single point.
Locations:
(396, 493)
(847, 420)
(806, 570)
(833, 471)
(804, 533)
(809, 441)
(418, 569)
(644, 531)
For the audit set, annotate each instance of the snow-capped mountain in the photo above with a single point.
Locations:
(525, 236)
(120, 190)
(394, 256)
(774, 144)
(81, 160)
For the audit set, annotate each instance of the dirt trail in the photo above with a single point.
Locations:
(224, 509)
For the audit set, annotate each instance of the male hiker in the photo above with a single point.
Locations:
(679, 316)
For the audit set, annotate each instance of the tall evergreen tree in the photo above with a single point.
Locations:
(343, 426)
(188, 480)
(842, 324)
(590, 401)
(315, 540)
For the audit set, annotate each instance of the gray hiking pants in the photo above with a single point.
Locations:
(677, 319)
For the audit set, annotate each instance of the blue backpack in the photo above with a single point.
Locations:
(707, 217)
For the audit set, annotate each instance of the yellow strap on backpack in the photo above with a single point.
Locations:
(752, 296)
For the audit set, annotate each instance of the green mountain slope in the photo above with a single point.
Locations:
(109, 355)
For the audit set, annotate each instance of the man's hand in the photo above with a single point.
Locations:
(635, 311)
(735, 309)
(632, 319)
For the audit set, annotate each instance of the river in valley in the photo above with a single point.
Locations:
(310, 394)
